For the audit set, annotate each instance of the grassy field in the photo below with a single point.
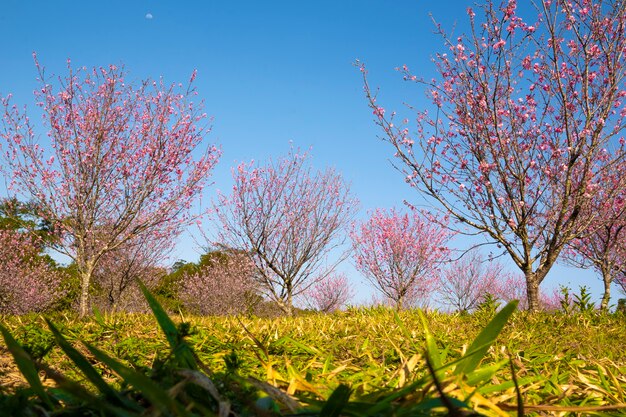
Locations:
(346, 363)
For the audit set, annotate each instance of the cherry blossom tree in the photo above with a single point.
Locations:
(603, 247)
(400, 254)
(289, 218)
(513, 287)
(465, 282)
(526, 116)
(117, 274)
(28, 283)
(30, 280)
(329, 294)
(620, 280)
(225, 285)
(122, 161)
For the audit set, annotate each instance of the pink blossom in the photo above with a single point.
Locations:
(379, 111)
(129, 161)
(329, 294)
(27, 282)
(399, 254)
(465, 282)
(226, 286)
(499, 44)
(531, 116)
(289, 218)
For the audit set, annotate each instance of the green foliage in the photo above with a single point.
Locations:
(167, 289)
(582, 301)
(69, 287)
(35, 341)
(27, 367)
(173, 386)
(181, 351)
(487, 308)
(566, 300)
(24, 217)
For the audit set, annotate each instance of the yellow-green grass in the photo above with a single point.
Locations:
(560, 361)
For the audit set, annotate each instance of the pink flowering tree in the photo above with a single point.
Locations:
(289, 218)
(465, 282)
(121, 161)
(603, 247)
(28, 283)
(329, 294)
(513, 287)
(400, 254)
(526, 115)
(225, 285)
(118, 272)
(620, 280)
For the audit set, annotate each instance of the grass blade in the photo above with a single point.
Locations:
(386, 402)
(86, 368)
(337, 401)
(484, 340)
(69, 391)
(181, 350)
(431, 344)
(26, 366)
(158, 397)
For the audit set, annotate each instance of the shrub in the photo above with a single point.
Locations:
(28, 282)
(225, 285)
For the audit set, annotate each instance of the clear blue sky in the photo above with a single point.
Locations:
(269, 73)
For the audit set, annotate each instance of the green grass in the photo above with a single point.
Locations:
(357, 362)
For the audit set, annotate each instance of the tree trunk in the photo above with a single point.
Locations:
(85, 283)
(399, 303)
(286, 305)
(534, 279)
(532, 291)
(606, 297)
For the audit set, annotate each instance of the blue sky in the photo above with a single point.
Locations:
(269, 73)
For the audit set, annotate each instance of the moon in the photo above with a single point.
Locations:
(149, 16)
